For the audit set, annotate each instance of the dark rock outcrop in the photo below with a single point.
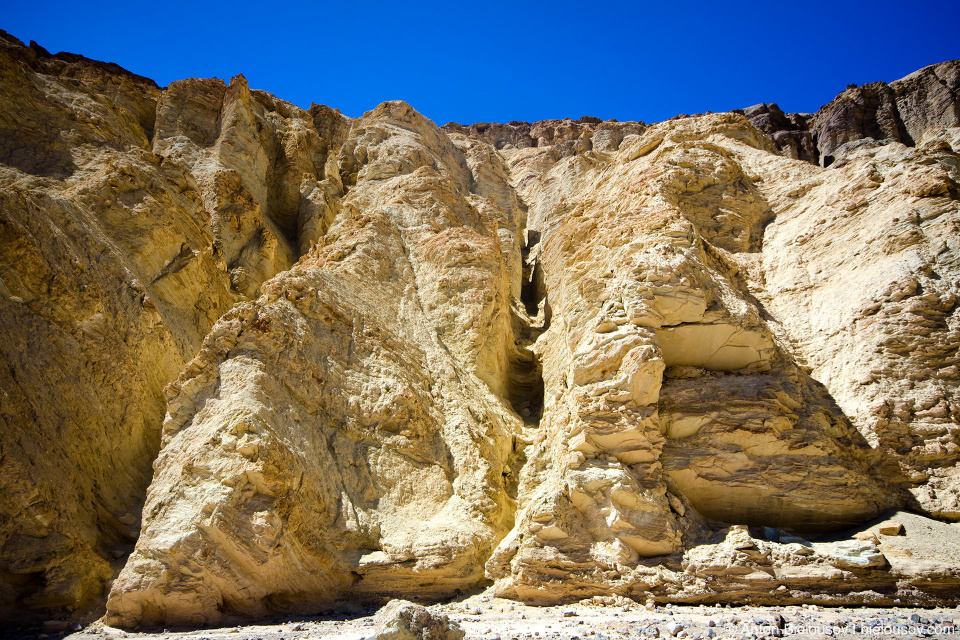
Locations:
(900, 111)
(790, 132)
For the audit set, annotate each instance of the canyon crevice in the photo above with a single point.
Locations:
(260, 358)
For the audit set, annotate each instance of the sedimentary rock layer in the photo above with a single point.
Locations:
(370, 357)
(131, 219)
(346, 433)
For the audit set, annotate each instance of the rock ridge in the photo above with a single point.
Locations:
(901, 111)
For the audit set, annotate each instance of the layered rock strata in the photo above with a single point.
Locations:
(110, 279)
(346, 433)
(668, 397)
(371, 357)
(131, 219)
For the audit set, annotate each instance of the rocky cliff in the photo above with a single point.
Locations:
(299, 358)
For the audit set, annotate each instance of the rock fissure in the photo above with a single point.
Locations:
(526, 371)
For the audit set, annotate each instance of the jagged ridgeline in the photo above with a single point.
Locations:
(259, 358)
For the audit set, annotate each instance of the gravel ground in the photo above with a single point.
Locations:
(483, 616)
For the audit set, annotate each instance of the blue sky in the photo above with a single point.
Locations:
(501, 61)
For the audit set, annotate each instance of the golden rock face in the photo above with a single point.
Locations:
(299, 357)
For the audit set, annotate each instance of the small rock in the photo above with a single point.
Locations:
(674, 627)
(650, 606)
(779, 621)
(890, 529)
(738, 538)
(404, 620)
(857, 554)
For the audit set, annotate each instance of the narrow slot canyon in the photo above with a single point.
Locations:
(526, 372)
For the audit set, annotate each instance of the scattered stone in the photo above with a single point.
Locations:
(404, 620)
(857, 554)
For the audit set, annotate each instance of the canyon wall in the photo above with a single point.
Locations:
(300, 358)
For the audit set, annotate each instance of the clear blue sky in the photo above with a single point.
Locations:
(501, 61)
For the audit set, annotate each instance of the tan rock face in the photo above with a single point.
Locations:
(110, 279)
(116, 262)
(379, 358)
(887, 347)
(341, 432)
(667, 395)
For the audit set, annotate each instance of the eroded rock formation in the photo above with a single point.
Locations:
(347, 432)
(371, 357)
(902, 111)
